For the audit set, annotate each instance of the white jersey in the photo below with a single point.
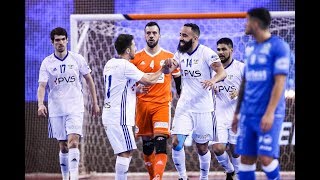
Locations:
(225, 106)
(120, 77)
(195, 68)
(63, 77)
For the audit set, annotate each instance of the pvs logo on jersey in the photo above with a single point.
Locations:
(69, 79)
(190, 73)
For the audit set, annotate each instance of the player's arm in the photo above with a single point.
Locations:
(281, 53)
(149, 79)
(42, 110)
(234, 125)
(92, 88)
(177, 80)
(219, 76)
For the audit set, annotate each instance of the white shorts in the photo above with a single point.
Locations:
(201, 125)
(224, 133)
(121, 137)
(61, 126)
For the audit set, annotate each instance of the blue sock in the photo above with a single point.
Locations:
(246, 175)
(272, 171)
(247, 172)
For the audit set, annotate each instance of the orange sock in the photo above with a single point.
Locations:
(160, 162)
(149, 164)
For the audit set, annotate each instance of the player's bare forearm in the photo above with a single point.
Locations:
(276, 93)
(42, 110)
(92, 89)
(220, 72)
(240, 95)
(41, 92)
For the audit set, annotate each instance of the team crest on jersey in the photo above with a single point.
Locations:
(229, 76)
(195, 61)
(70, 66)
(54, 69)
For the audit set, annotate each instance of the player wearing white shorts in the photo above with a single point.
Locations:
(225, 104)
(195, 111)
(118, 116)
(62, 71)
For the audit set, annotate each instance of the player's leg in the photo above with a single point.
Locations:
(181, 127)
(145, 131)
(247, 148)
(74, 131)
(178, 155)
(122, 140)
(148, 154)
(219, 147)
(269, 150)
(63, 159)
(202, 134)
(56, 129)
(235, 157)
(161, 124)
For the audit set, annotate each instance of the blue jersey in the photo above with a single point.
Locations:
(262, 62)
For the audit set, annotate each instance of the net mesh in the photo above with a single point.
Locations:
(97, 47)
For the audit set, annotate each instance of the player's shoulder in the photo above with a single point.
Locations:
(166, 52)
(75, 55)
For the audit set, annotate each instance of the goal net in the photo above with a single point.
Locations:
(93, 36)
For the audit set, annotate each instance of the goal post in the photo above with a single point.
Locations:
(93, 36)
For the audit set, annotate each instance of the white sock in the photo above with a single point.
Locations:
(204, 165)
(179, 160)
(64, 165)
(225, 162)
(122, 167)
(74, 158)
(236, 162)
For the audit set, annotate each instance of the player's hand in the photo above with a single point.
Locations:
(142, 89)
(234, 94)
(234, 126)
(207, 84)
(266, 122)
(95, 110)
(42, 110)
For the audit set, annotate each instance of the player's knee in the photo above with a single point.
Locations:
(161, 144)
(178, 145)
(218, 149)
(148, 146)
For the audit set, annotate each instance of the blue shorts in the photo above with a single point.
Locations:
(253, 142)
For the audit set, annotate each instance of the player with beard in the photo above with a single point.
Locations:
(195, 109)
(153, 112)
(226, 100)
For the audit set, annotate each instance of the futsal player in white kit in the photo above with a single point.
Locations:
(118, 116)
(226, 92)
(194, 111)
(62, 71)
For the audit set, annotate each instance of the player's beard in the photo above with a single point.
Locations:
(225, 59)
(152, 44)
(184, 48)
(131, 56)
(61, 49)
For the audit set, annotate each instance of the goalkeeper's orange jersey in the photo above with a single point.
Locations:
(148, 63)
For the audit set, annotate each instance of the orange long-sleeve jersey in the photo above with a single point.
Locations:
(148, 63)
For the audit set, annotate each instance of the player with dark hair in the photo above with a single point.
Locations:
(153, 112)
(195, 110)
(62, 71)
(261, 103)
(226, 92)
(118, 116)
